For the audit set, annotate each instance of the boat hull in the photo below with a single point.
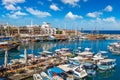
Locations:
(102, 67)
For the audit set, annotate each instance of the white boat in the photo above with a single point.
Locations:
(4, 43)
(74, 61)
(90, 68)
(79, 72)
(41, 76)
(44, 76)
(79, 48)
(77, 51)
(37, 77)
(63, 51)
(101, 55)
(106, 64)
(87, 54)
(50, 37)
(46, 53)
(25, 40)
(91, 72)
(114, 47)
(2, 49)
(55, 77)
(66, 67)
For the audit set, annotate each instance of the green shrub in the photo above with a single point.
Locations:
(21, 71)
(71, 56)
(6, 74)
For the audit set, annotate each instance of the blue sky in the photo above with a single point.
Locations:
(72, 14)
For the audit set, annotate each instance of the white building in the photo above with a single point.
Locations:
(48, 30)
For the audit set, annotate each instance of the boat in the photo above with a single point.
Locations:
(74, 61)
(9, 45)
(67, 67)
(114, 47)
(37, 77)
(80, 72)
(57, 51)
(90, 68)
(77, 71)
(56, 73)
(90, 72)
(46, 53)
(44, 76)
(106, 64)
(88, 65)
(101, 54)
(25, 40)
(77, 51)
(51, 38)
(87, 54)
(63, 51)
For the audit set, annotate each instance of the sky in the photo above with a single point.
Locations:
(70, 14)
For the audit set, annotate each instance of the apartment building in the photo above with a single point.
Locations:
(47, 29)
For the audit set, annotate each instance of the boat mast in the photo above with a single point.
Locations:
(25, 56)
(6, 58)
(65, 30)
(8, 30)
(58, 37)
(97, 33)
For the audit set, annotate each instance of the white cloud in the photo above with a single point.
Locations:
(38, 13)
(108, 8)
(85, 0)
(12, 1)
(10, 7)
(40, 2)
(54, 7)
(71, 2)
(16, 14)
(110, 19)
(12, 16)
(50, 0)
(72, 16)
(10, 4)
(18, 8)
(94, 14)
(20, 13)
(3, 15)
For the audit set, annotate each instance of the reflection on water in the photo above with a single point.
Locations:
(51, 46)
(102, 75)
(105, 74)
(39, 45)
(35, 47)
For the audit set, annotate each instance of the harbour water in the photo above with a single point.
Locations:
(102, 31)
(95, 46)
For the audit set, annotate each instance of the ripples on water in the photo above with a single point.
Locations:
(51, 46)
